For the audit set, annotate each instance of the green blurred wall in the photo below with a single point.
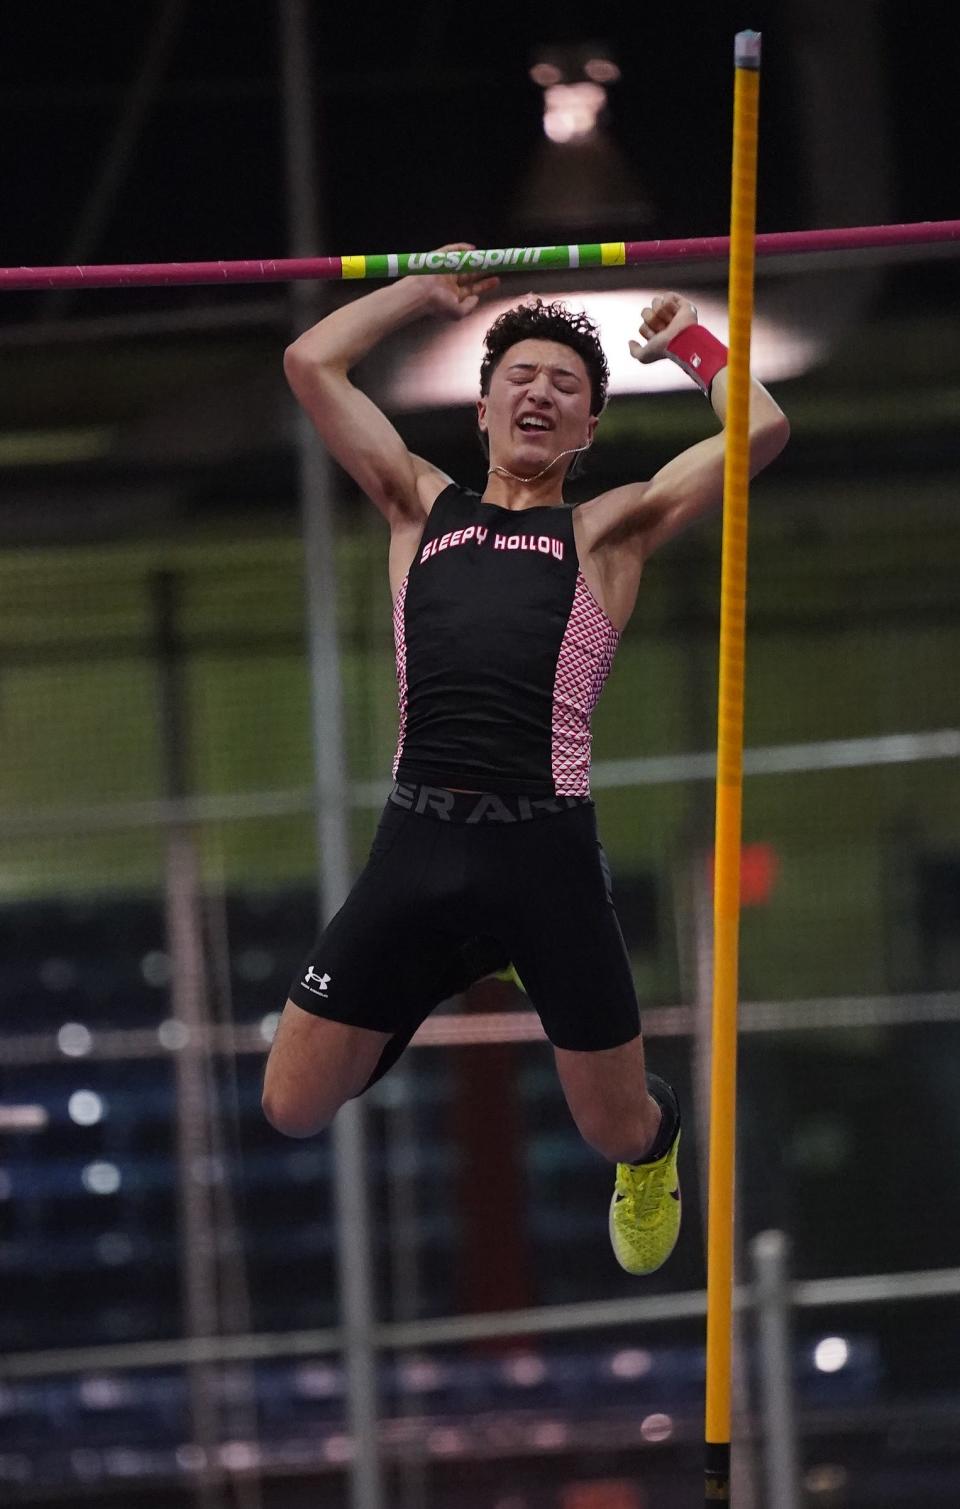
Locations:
(854, 631)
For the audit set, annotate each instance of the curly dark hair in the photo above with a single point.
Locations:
(538, 321)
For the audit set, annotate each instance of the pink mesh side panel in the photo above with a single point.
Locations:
(400, 643)
(586, 655)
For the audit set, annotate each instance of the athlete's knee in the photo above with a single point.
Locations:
(295, 1107)
(292, 1116)
(314, 1067)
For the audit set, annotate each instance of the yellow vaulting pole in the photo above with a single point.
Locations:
(726, 905)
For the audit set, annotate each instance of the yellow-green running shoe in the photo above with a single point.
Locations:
(645, 1212)
(510, 977)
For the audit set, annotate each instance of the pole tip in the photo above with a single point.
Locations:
(747, 49)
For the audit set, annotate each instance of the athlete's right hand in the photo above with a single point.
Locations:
(455, 294)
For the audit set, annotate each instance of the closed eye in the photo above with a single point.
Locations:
(567, 382)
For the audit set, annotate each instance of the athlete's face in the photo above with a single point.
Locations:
(538, 405)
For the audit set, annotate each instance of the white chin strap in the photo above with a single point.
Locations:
(573, 451)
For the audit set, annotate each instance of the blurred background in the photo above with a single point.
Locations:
(197, 715)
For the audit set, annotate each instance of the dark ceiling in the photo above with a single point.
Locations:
(427, 122)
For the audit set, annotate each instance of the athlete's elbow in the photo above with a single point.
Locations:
(306, 359)
(768, 440)
(295, 367)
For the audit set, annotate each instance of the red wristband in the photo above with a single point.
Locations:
(699, 353)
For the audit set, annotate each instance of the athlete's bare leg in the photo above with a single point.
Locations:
(315, 1065)
(607, 1095)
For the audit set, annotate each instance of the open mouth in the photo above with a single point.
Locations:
(533, 424)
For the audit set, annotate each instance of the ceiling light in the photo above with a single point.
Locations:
(601, 70)
(570, 111)
(545, 74)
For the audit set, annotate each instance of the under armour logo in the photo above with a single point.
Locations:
(311, 979)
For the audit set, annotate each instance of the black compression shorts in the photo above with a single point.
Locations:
(459, 884)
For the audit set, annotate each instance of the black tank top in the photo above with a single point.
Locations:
(502, 651)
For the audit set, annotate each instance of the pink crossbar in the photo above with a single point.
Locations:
(638, 253)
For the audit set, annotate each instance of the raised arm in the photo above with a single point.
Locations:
(351, 426)
(691, 485)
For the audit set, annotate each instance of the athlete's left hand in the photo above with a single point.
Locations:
(666, 315)
(455, 294)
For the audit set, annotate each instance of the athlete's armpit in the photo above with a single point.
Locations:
(430, 482)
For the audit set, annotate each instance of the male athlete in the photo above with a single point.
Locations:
(508, 607)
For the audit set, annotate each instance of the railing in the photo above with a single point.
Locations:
(772, 1297)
